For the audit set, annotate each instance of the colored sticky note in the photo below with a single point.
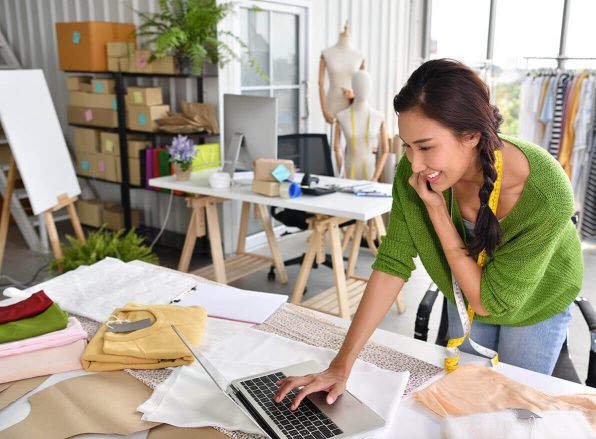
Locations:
(281, 173)
(142, 119)
(85, 165)
(114, 104)
(137, 97)
(109, 146)
(88, 115)
(101, 166)
(142, 61)
(99, 87)
(76, 37)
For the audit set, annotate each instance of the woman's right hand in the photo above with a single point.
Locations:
(332, 380)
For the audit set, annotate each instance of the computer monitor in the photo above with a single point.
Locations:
(250, 130)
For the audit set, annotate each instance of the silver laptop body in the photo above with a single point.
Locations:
(253, 394)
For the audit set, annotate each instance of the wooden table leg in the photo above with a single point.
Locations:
(189, 242)
(380, 225)
(241, 247)
(219, 267)
(338, 270)
(355, 248)
(5, 215)
(273, 248)
(306, 267)
(348, 233)
(369, 238)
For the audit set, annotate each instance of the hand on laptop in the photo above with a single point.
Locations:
(331, 380)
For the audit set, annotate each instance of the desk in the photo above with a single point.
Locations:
(331, 211)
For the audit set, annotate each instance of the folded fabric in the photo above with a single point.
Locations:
(52, 319)
(43, 362)
(550, 425)
(189, 398)
(474, 389)
(73, 332)
(29, 307)
(153, 347)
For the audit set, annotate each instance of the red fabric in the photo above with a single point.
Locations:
(31, 306)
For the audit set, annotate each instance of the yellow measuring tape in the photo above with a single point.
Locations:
(353, 158)
(467, 316)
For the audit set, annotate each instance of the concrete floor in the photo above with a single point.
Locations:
(21, 264)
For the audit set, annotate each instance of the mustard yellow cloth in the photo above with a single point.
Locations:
(153, 347)
(569, 129)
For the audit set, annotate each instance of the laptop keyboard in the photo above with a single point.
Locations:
(307, 421)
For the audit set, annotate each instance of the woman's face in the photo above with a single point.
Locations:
(435, 152)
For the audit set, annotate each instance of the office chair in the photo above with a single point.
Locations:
(310, 153)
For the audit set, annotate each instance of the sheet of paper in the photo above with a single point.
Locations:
(233, 303)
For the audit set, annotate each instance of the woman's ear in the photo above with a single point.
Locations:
(471, 139)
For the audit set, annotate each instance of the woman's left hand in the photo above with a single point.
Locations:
(431, 199)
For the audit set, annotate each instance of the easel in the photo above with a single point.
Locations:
(63, 201)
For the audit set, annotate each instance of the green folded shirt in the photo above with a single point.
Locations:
(52, 319)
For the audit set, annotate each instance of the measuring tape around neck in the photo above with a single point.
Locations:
(353, 158)
(466, 316)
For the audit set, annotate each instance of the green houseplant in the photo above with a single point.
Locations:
(188, 30)
(101, 244)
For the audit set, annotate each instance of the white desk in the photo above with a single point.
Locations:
(331, 211)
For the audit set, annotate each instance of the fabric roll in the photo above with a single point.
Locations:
(73, 332)
(52, 319)
(43, 362)
(29, 307)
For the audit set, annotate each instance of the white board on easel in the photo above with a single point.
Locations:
(35, 137)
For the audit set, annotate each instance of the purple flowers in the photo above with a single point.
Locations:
(182, 151)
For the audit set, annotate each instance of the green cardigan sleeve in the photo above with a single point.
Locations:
(397, 251)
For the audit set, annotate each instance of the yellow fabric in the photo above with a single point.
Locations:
(569, 133)
(154, 347)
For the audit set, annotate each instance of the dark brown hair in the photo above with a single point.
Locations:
(452, 94)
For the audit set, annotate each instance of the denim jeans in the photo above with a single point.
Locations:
(534, 347)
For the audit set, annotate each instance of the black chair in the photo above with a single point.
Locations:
(563, 369)
(310, 153)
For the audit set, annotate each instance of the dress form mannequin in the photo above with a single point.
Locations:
(340, 61)
(364, 131)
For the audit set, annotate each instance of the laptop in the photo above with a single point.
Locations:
(313, 419)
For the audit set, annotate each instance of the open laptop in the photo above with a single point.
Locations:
(313, 419)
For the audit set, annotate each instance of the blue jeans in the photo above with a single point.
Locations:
(534, 347)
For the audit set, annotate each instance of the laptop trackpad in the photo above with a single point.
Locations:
(347, 412)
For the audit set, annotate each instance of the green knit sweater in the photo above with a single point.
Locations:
(534, 274)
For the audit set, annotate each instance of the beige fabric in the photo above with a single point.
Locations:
(100, 403)
(165, 431)
(474, 389)
(10, 392)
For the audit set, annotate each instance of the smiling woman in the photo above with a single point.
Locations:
(518, 268)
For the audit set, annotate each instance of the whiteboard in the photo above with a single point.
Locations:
(35, 137)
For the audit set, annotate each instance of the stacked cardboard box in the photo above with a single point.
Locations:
(264, 182)
(86, 146)
(92, 102)
(110, 153)
(96, 213)
(143, 106)
(123, 57)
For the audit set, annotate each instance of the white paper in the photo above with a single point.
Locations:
(233, 303)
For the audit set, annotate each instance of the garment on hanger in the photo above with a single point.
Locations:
(52, 319)
(154, 347)
(29, 307)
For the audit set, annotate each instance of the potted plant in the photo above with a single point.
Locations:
(101, 244)
(188, 30)
(182, 152)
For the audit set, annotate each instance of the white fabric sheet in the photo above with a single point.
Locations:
(190, 399)
(95, 291)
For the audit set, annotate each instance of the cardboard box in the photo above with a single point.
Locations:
(142, 117)
(86, 87)
(264, 168)
(99, 117)
(138, 61)
(85, 163)
(74, 83)
(110, 144)
(105, 167)
(136, 146)
(113, 216)
(144, 96)
(92, 100)
(124, 62)
(269, 188)
(103, 86)
(82, 45)
(118, 49)
(134, 171)
(86, 140)
(165, 65)
(113, 64)
(90, 212)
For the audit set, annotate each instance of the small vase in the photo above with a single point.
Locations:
(180, 174)
(184, 64)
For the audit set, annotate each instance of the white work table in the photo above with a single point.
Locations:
(330, 212)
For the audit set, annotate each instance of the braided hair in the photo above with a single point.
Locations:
(452, 94)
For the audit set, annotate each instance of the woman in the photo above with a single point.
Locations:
(519, 265)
